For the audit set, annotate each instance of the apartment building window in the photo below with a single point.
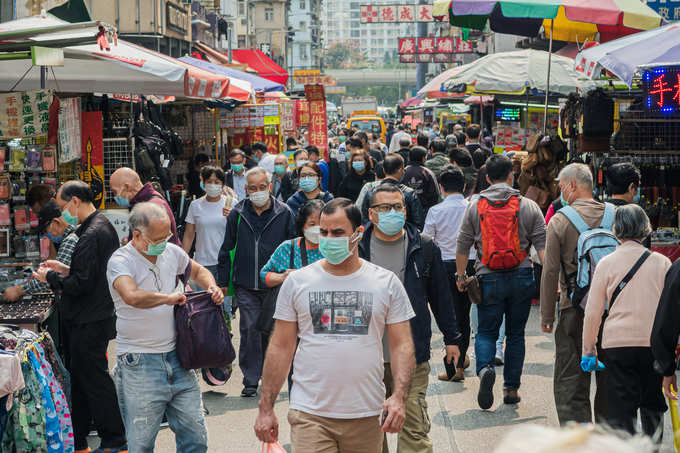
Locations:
(355, 33)
(241, 41)
(303, 26)
(354, 5)
(269, 14)
(241, 7)
(355, 15)
(302, 4)
(364, 32)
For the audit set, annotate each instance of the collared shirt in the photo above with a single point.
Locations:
(240, 185)
(64, 252)
(443, 224)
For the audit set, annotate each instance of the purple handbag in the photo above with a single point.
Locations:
(203, 338)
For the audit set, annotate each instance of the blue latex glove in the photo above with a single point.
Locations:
(591, 363)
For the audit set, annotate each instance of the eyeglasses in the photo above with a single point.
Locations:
(386, 207)
(156, 242)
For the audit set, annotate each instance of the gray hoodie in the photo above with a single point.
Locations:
(531, 224)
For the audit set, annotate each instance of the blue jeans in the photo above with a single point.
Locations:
(509, 294)
(150, 385)
(474, 316)
(226, 305)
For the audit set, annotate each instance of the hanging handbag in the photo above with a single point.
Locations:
(474, 290)
(265, 322)
(203, 338)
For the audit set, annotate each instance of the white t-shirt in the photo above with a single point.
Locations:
(338, 367)
(267, 162)
(145, 330)
(210, 226)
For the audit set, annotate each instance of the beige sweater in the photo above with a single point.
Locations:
(630, 320)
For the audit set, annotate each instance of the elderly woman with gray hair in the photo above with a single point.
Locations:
(628, 283)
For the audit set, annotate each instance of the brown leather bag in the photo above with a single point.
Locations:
(540, 196)
(474, 290)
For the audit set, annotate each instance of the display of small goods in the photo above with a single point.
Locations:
(24, 162)
(33, 309)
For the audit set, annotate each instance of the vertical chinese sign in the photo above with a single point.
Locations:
(24, 114)
(288, 117)
(92, 162)
(318, 129)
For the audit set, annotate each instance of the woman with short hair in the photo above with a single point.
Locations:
(628, 283)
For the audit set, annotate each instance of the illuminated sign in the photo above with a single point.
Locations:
(507, 114)
(661, 89)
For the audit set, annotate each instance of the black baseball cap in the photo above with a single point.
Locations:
(48, 213)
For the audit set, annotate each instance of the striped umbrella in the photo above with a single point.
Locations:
(564, 20)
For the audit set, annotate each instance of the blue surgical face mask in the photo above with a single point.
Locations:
(124, 202)
(391, 222)
(238, 168)
(563, 201)
(55, 239)
(68, 218)
(279, 169)
(336, 250)
(308, 183)
(359, 165)
(156, 249)
(202, 186)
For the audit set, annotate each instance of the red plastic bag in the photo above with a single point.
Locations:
(272, 447)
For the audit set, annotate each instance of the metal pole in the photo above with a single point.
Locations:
(43, 77)
(229, 42)
(547, 83)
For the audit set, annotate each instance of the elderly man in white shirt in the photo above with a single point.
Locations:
(443, 224)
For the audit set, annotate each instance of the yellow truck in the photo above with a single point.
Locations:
(368, 121)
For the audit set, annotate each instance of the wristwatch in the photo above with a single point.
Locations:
(461, 278)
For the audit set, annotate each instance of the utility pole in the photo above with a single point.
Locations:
(421, 70)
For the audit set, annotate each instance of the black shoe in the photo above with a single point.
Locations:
(511, 396)
(249, 392)
(486, 380)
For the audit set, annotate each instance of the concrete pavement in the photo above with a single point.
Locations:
(458, 425)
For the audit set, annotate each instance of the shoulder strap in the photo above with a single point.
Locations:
(303, 252)
(575, 218)
(631, 273)
(608, 216)
(291, 265)
(428, 252)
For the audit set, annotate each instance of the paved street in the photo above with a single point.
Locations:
(458, 425)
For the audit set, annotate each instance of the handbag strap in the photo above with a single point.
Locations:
(631, 273)
(303, 252)
(291, 264)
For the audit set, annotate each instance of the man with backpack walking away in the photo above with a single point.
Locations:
(579, 235)
(503, 226)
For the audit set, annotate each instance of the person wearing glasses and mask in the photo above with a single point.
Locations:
(310, 187)
(291, 179)
(340, 307)
(255, 228)
(149, 378)
(416, 260)
(87, 315)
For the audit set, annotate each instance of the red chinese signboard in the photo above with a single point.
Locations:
(318, 129)
(661, 90)
(444, 45)
(407, 46)
(371, 14)
(407, 58)
(426, 45)
(443, 58)
(92, 164)
(463, 46)
(302, 112)
(423, 58)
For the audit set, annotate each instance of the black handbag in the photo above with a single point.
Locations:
(265, 322)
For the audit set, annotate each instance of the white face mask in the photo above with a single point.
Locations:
(213, 190)
(259, 199)
(312, 234)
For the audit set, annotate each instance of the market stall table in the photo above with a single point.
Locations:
(30, 313)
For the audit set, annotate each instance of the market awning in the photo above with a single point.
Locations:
(476, 100)
(123, 68)
(413, 101)
(256, 83)
(265, 66)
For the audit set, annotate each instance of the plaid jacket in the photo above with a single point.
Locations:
(63, 255)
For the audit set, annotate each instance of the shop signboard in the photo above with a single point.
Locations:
(318, 128)
(24, 114)
(69, 130)
(661, 90)
(668, 9)
(302, 112)
(288, 117)
(376, 14)
(430, 49)
(92, 160)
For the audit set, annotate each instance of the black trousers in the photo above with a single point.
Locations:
(461, 304)
(633, 384)
(93, 395)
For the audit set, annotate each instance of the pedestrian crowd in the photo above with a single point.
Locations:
(336, 267)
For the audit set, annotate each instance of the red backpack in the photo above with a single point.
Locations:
(499, 222)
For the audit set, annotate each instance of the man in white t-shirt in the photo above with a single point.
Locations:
(264, 158)
(149, 379)
(340, 307)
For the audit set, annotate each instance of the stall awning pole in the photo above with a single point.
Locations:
(547, 84)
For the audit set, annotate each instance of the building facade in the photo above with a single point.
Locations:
(341, 22)
(305, 49)
(268, 28)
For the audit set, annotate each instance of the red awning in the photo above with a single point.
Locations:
(265, 66)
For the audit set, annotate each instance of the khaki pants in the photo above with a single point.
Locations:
(413, 438)
(571, 384)
(314, 434)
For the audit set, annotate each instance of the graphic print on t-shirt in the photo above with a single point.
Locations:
(341, 312)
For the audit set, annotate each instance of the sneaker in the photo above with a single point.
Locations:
(498, 361)
(487, 377)
(511, 396)
(249, 392)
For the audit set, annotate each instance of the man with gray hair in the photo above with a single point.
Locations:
(571, 384)
(256, 226)
(149, 379)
